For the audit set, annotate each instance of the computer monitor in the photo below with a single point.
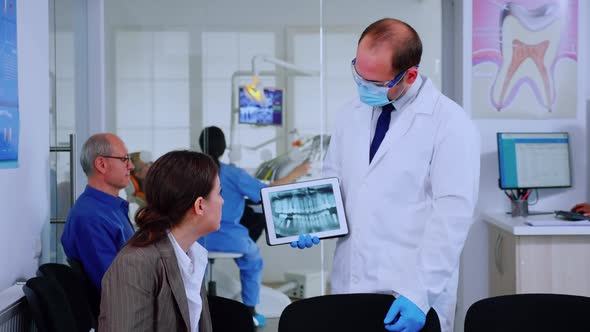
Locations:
(534, 160)
(269, 111)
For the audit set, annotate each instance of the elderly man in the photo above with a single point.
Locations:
(98, 224)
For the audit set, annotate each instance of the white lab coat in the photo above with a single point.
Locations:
(410, 210)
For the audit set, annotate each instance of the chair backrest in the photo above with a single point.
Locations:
(92, 293)
(229, 315)
(343, 312)
(74, 289)
(49, 307)
(529, 312)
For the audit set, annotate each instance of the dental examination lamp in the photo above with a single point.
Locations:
(255, 91)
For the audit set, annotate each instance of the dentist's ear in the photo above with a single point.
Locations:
(412, 75)
(198, 206)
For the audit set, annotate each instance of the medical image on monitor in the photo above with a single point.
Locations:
(304, 210)
(269, 111)
(534, 160)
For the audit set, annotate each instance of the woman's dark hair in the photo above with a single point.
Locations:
(212, 142)
(172, 185)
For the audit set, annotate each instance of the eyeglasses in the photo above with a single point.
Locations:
(124, 159)
(389, 84)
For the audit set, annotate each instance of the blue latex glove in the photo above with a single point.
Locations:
(305, 241)
(405, 316)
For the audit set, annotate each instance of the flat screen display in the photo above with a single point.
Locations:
(310, 207)
(269, 111)
(534, 160)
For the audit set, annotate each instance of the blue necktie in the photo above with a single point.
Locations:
(381, 129)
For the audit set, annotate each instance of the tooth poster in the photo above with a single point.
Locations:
(9, 117)
(524, 59)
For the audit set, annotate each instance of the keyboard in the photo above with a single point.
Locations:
(570, 216)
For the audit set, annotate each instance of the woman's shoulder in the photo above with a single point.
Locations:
(138, 266)
(138, 256)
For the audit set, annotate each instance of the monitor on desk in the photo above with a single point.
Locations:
(534, 160)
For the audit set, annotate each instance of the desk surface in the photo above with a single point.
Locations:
(518, 226)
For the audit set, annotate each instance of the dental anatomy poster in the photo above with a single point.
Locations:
(524, 59)
(9, 115)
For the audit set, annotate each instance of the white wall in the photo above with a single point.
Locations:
(282, 17)
(474, 273)
(24, 194)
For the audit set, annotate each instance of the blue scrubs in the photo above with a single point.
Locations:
(232, 236)
(97, 228)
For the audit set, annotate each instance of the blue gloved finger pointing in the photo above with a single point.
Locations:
(308, 243)
(301, 242)
(392, 313)
(305, 241)
(315, 240)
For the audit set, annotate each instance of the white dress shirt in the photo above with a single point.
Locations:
(192, 266)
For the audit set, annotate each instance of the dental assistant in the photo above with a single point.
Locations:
(408, 161)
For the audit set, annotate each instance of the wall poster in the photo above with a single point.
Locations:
(9, 115)
(524, 59)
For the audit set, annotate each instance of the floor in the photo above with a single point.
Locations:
(272, 325)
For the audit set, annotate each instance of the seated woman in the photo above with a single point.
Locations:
(156, 281)
(232, 236)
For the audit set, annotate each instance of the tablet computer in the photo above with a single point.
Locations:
(311, 207)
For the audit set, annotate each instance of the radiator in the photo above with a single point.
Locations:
(14, 311)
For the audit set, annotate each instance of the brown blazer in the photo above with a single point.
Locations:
(143, 291)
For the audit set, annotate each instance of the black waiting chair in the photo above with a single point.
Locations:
(343, 312)
(91, 292)
(74, 289)
(529, 312)
(229, 315)
(49, 306)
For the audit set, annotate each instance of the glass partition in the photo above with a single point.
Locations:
(62, 124)
(173, 70)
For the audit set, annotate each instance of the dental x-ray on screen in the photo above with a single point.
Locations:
(267, 111)
(310, 207)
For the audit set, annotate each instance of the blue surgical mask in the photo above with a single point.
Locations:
(372, 95)
(375, 93)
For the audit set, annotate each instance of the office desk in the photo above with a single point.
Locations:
(539, 259)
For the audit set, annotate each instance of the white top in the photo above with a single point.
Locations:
(192, 266)
(410, 209)
(519, 226)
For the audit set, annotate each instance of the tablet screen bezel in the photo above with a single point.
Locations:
(265, 194)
